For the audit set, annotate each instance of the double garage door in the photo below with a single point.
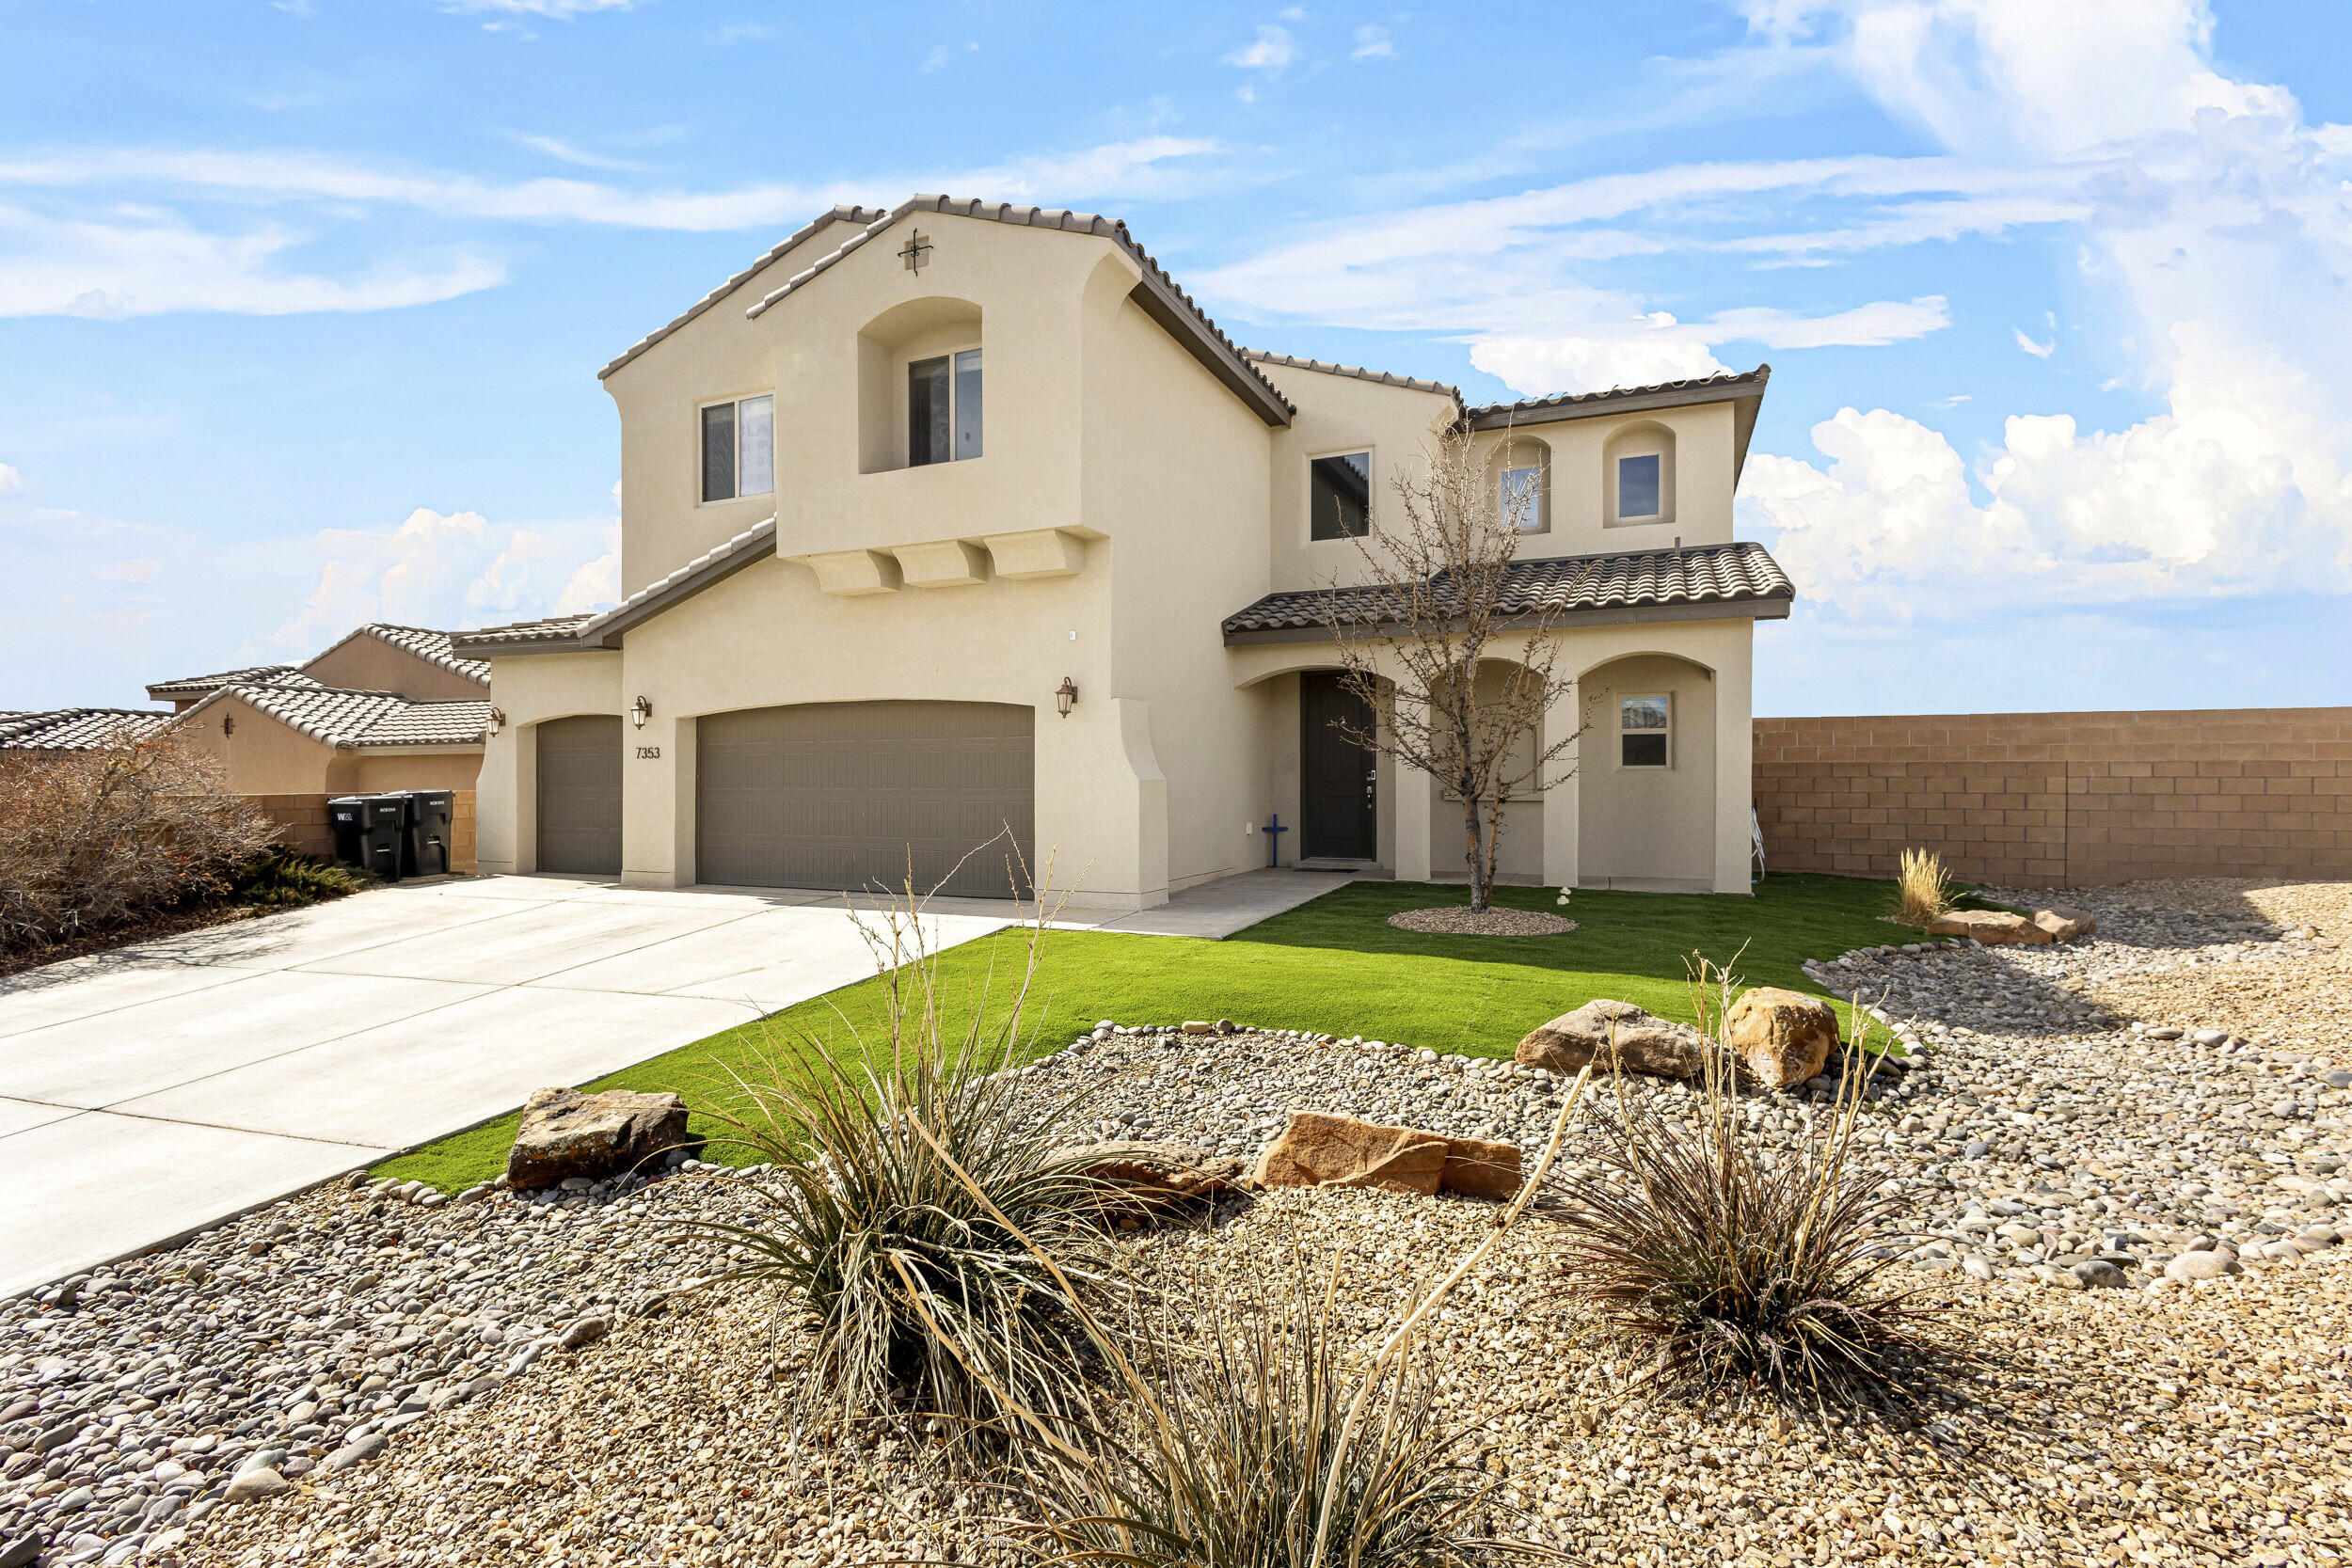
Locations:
(866, 795)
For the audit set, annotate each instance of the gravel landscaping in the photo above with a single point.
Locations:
(2126, 1155)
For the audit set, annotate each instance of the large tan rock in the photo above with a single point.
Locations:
(1155, 1176)
(565, 1133)
(1645, 1042)
(1781, 1037)
(1317, 1150)
(2065, 924)
(1994, 928)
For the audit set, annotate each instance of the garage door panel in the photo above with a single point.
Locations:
(579, 795)
(850, 795)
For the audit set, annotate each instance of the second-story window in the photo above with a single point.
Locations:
(1338, 497)
(739, 449)
(943, 408)
(1640, 494)
(1523, 499)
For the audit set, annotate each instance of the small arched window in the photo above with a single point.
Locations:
(1638, 476)
(1520, 473)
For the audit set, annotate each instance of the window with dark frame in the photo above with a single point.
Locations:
(1338, 497)
(1640, 494)
(1643, 725)
(943, 408)
(739, 449)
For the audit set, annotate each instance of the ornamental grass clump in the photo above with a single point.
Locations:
(1732, 1270)
(1921, 890)
(916, 1214)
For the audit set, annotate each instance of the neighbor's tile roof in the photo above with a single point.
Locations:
(352, 719)
(77, 729)
(198, 686)
(554, 628)
(1560, 585)
(431, 646)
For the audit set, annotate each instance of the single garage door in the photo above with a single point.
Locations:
(579, 795)
(847, 795)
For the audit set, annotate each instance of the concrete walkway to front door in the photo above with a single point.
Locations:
(154, 1090)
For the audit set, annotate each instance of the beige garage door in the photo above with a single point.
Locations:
(579, 795)
(850, 795)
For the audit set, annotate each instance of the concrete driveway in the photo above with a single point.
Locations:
(154, 1090)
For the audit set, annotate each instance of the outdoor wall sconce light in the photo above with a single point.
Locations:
(496, 722)
(229, 723)
(1065, 696)
(638, 711)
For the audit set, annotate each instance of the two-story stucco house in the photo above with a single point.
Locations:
(962, 516)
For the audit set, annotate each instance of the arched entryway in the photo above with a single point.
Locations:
(1645, 774)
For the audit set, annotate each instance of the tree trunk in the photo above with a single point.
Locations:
(1475, 855)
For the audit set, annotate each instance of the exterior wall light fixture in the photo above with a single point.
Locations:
(228, 724)
(638, 711)
(1065, 696)
(495, 723)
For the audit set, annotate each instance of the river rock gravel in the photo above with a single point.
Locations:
(2054, 1141)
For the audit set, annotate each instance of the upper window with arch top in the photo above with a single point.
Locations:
(1638, 474)
(1520, 473)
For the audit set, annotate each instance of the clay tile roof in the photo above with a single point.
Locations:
(433, 647)
(1699, 389)
(351, 719)
(799, 236)
(1168, 305)
(721, 561)
(1356, 371)
(1559, 586)
(77, 729)
(197, 686)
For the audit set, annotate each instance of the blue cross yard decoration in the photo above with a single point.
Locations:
(1273, 843)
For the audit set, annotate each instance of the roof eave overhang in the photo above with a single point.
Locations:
(396, 749)
(604, 635)
(1179, 321)
(1774, 608)
(1748, 389)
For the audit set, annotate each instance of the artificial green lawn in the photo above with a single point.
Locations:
(1332, 964)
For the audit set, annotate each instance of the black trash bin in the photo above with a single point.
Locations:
(384, 834)
(347, 814)
(431, 812)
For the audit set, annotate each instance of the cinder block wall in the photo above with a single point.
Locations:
(2058, 799)
(303, 826)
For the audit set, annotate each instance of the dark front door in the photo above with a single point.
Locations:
(1335, 774)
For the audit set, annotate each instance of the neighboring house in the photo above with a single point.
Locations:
(858, 593)
(77, 729)
(388, 707)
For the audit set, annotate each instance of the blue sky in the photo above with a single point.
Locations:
(301, 303)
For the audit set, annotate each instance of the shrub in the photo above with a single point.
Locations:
(919, 1214)
(1741, 1270)
(283, 880)
(1255, 1442)
(1919, 888)
(101, 837)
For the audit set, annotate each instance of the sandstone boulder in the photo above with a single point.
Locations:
(2065, 924)
(1994, 928)
(1781, 1037)
(1645, 1042)
(565, 1133)
(1156, 1176)
(1318, 1150)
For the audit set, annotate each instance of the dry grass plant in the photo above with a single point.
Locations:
(943, 1253)
(1922, 893)
(98, 838)
(1256, 1439)
(1738, 1270)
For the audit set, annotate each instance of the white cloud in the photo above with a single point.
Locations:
(1269, 51)
(553, 10)
(1372, 43)
(10, 481)
(433, 570)
(2040, 351)
(2227, 242)
(564, 152)
(596, 585)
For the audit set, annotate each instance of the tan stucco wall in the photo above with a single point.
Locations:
(530, 692)
(372, 771)
(366, 663)
(261, 755)
(1647, 823)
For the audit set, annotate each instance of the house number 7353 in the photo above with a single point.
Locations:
(646, 751)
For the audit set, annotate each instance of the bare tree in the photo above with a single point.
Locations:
(1441, 597)
(94, 838)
